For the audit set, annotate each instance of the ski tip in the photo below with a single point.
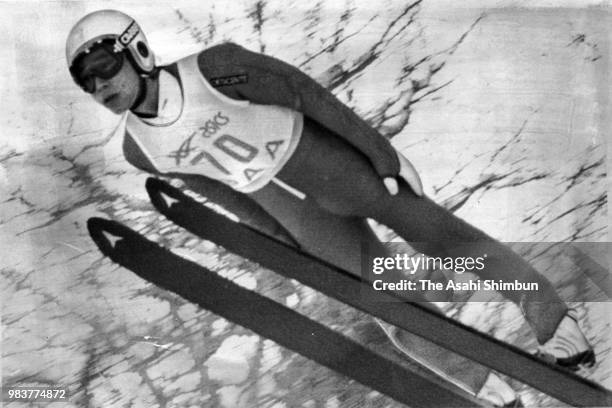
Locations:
(105, 233)
(162, 194)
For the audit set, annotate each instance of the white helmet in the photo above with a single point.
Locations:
(110, 24)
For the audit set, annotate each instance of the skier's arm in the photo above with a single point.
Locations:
(267, 80)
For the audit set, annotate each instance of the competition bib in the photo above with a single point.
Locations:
(238, 143)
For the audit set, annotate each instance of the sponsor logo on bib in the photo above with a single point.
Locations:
(229, 80)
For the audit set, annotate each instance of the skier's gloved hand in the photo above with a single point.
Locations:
(408, 173)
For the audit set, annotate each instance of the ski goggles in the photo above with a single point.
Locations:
(99, 61)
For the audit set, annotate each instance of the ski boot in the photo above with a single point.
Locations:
(499, 393)
(568, 347)
(494, 390)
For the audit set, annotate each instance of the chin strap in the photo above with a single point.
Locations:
(142, 93)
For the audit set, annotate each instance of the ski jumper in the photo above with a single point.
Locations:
(340, 162)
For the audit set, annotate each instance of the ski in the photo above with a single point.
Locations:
(288, 328)
(390, 307)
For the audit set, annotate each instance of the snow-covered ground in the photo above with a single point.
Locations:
(503, 108)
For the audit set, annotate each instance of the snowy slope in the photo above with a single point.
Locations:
(504, 111)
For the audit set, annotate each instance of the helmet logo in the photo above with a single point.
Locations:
(127, 36)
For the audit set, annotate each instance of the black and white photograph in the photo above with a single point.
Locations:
(305, 204)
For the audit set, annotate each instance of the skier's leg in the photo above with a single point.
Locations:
(336, 239)
(417, 219)
(339, 240)
(342, 180)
